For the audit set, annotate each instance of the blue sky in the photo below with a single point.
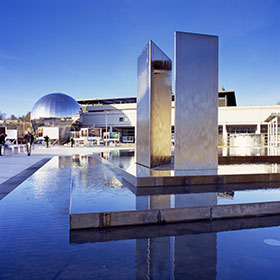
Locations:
(89, 48)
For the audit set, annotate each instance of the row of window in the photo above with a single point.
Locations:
(250, 129)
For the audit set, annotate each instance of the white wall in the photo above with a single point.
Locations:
(246, 115)
(97, 116)
(252, 115)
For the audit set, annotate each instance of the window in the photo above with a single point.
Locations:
(242, 129)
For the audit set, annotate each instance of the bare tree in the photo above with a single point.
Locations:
(2, 116)
(13, 117)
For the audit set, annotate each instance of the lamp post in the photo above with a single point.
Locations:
(106, 143)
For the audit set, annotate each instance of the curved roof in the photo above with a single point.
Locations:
(55, 105)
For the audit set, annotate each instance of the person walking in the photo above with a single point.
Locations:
(2, 141)
(47, 139)
(72, 141)
(29, 138)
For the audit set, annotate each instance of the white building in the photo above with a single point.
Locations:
(119, 115)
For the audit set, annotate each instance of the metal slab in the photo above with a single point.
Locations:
(154, 93)
(196, 101)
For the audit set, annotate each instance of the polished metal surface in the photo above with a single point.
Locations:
(143, 108)
(55, 105)
(153, 107)
(55, 110)
(196, 101)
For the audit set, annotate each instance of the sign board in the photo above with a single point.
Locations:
(52, 132)
(84, 132)
(94, 132)
(111, 135)
(11, 134)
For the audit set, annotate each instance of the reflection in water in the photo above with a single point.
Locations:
(249, 151)
(191, 250)
(35, 244)
(96, 188)
(192, 256)
(126, 160)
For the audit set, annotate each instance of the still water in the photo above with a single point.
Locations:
(35, 239)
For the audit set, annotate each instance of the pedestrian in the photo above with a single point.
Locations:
(2, 141)
(29, 138)
(47, 139)
(72, 141)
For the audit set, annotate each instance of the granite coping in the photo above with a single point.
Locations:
(248, 159)
(10, 184)
(172, 215)
(173, 229)
(175, 181)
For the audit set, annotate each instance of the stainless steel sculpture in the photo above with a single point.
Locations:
(153, 135)
(55, 110)
(196, 105)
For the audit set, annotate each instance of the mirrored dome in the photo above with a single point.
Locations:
(55, 110)
(55, 105)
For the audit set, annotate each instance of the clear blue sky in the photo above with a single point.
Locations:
(89, 48)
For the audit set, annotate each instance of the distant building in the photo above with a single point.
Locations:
(247, 125)
(119, 115)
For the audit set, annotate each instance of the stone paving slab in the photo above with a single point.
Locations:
(162, 216)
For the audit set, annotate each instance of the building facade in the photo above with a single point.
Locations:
(234, 122)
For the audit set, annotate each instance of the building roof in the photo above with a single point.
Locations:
(272, 116)
(230, 94)
(107, 101)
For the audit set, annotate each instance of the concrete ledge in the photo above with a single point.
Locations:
(176, 229)
(245, 210)
(175, 181)
(199, 188)
(202, 180)
(113, 219)
(160, 216)
(184, 214)
(248, 159)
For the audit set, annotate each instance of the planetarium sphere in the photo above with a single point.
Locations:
(55, 105)
(55, 110)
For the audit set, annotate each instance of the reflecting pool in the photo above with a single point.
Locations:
(125, 159)
(35, 242)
